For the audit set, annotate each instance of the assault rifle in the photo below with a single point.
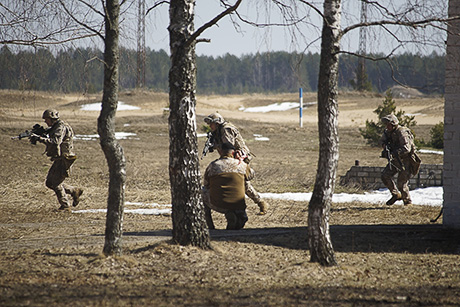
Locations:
(209, 145)
(36, 129)
(389, 154)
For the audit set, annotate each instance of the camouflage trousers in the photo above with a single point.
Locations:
(236, 219)
(205, 193)
(57, 173)
(251, 192)
(402, 181)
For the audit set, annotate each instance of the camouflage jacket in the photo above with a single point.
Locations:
(401, 143)
(59, 142)
(400, 140)
(228, 133)
(224, 178)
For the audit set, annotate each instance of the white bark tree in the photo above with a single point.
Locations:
(410, 18)
(106, 129)
(37, 23)
(404, 24)
(320, 203)
(189, 223)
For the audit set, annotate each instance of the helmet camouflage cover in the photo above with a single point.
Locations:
(214, 118)
(50, 113)
(390, 119)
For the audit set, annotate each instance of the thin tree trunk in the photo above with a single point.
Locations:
(106, 129)
(320, 204)
(189, 224)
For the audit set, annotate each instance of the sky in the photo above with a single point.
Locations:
(235, 37)
(226, 38)
(430, 196)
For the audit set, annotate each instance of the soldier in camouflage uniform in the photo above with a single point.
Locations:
(59, 147)
(224, 188)
(225, 132)
(402, 160)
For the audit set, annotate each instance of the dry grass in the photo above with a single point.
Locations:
(386, 256)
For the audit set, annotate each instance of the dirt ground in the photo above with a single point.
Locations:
(386, 255)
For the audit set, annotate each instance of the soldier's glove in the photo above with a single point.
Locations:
(240, 155)
(395, 153)
(34, 138)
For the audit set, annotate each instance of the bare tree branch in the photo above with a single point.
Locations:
(369, 57)
(42, 23)
(410, 24)
(155, 5)
(313, 7)
(88, 5)
(42, 42)
(211, 23)
(203, 40)
(84, 25)
(381, 8)
(270, 24)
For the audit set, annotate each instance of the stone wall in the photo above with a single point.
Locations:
(368, 177)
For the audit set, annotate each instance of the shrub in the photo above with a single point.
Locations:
(374, 130)
(437, 135)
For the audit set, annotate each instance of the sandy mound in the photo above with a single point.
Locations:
(405, 92)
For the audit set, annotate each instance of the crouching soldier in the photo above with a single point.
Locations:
(59, 147)
(398, 145)
(225, 132)
(224, 189)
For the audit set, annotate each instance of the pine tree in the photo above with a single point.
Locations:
(373, 130)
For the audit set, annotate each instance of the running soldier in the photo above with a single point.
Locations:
(225, 132)
(59, 147)
(398, 147)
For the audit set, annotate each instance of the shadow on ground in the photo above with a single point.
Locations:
(414, 239)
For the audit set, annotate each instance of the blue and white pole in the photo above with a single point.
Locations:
(300, 107)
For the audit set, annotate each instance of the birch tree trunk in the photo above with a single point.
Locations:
(189, 224)
(106, 128)
(320, 204)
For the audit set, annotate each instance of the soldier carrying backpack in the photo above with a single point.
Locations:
(398, 145)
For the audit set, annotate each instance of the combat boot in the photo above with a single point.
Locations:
(64, 208)
(263, 206)
(242, 218)
(208, 217)
(393, 199)
(232, 220)
(407, 202)
(76, 196)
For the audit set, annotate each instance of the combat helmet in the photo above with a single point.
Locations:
(50, 113)
(214, 118)
(390, 119)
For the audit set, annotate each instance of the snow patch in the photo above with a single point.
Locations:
(98, 106)
(118, 136)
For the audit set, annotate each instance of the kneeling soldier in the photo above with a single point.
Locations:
(225, 132)
(224, 188)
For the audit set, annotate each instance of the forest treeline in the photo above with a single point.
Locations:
(81, 70)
